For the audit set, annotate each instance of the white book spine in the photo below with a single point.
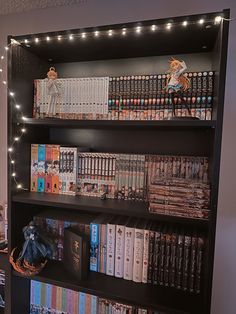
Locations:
(119, 252)
(138, 255)
(129, 253)
(111, 239)
(145, 255)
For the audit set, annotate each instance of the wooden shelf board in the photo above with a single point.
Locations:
(95, 205)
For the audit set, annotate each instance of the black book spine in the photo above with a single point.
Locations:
(179, 261)
(156, 257)
(173, 254)
(162, 258)
(186, 262)
(151, 253)
(192, 270)
(200, 250)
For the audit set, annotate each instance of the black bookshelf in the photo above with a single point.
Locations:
(180, 137)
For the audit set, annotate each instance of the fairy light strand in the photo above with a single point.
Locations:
(19, 132)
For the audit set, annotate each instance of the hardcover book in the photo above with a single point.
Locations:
(76, 253)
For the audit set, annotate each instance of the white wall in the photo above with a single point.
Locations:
(102, 12)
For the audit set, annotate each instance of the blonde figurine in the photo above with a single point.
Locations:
(53, 91)
(178, 83)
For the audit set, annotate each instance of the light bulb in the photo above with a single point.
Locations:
(168, 26)
(36, 40)
(201, 21)
(153, 27)
(13, 174)
(2, 57)
(12, 162)
(23, 130)
(218, 19)
(138, 29)
(83, 35)
(17, 106)
(16, 139)
(6, 48)
(123, 31)
(19, 186)
(71, 37)
(96, 34)
(26, 41)
(59, 37)
(4, 82)
(24, 118)
(11, 94)
(48, 38)
(10, 149)
(185, 23)
(0, 70)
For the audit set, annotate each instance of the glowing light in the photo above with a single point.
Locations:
(153, 27)
(123, 31)
(110, 32)
(168, 26)
(201, 21)
(48, 38)
(19, 186)
(23, 130)
(138, 29)
(218, 19)
(185, 23)
(96, 34)
(36, 40)
(10, 149)
(13, 174)
(71, 37)
(83, 35)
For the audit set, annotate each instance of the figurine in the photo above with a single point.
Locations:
(177, 84)
(32, 258)
(53, 90)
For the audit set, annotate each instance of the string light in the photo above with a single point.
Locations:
(123, 31)
(17, 106)
(201, 21)
(11, 94)
(218, 19)
(48, 38)
(26, 41)
(59, 37)
(13, 174)
(4, 82)
(19, 186)
(168, 26)
(138, 29)
(110, 32)
(12, 162)
(16, 139)
(71, 37)
(185, 23)
(36, 40)
(96, 34)
(0, 70)
(23, 130)
(6, 48)
(24, 118)
(10, 149)
(2, 57)
(83, 35)
(153, 27)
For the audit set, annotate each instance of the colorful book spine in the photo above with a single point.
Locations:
(94, 245)
(34, 168)
(41, 167)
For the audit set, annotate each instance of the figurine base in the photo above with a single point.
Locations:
(183, 118)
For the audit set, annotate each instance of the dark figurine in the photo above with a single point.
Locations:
(34, 254)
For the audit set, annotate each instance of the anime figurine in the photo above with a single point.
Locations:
(34, 254)
(53, 91)
(177, 85)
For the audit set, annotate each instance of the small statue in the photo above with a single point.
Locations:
(53, 90)
(34, 254)
(177, 84)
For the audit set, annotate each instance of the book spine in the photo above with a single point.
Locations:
(94, 244)
(145, 256)
(82, 309)
(103, 248)
(111, 239)
(200, 250)
(34, 168)
(119, 251)
(128, 253)
(151, 256)
(138, 255)
(94, 304)
(41, 167)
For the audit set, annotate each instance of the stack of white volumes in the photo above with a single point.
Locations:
(78, 98)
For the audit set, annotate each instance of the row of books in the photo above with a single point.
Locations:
(2, 288)
(142, 97)
(78, 98)
(134, 249)
(49, 299)
(174, 185)
(147, 252)
(53, 229)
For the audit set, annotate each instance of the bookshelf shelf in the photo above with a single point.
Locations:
(120, 124)
(159, 298)
(95, 205)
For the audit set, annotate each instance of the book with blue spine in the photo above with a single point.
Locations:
(94, 304)
(41, 167)
(82, 303)
(48, 295)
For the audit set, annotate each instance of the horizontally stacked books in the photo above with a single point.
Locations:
(135, 249)
(174, 185)
(179, 186)
(134, 97)
(50, 299)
